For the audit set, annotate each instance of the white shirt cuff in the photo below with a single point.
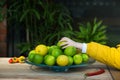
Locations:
(84, 48)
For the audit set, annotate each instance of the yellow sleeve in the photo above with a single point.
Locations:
(105, 54)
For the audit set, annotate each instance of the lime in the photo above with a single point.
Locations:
(60, 43)
(46, 56)
(49, 60)
(31, 56)
(48, 47)
(70, 51)
(51, 48)
(77, 59)
(38, 59)
(70, 60)
(85, 57)
(32, 51)
(56, 52)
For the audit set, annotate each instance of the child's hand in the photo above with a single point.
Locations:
(68, 42)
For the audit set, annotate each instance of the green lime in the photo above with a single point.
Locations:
(77, 59)
(70, 51)
(70, 60)
(38, 59)
(56, 52)
(85, 57)
(60, 43)
(31, 56)
(51, 48)
(32, 51)
(49, 60)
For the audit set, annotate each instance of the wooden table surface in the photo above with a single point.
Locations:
(24, 71)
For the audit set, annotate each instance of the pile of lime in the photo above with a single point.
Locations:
(54, 55)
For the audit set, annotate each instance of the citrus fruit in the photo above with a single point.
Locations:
(49, 60)
(48, 47)
(51, 48)
(41, 49)
(77, 59)
(62, 60)
(60, 43)
(85, 57)
(70, 60)
(32, 51)
(31, 56)
(56, 52)
(70, 51)
(46, 56)
(37, 59)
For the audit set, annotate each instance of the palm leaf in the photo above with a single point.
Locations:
(96, 25)
(92, 32)
(102, 28)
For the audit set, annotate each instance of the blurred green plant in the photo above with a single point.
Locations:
(45, 22)
(2, 10)
(91, 31)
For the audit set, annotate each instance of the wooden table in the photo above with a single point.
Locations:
(24, 71)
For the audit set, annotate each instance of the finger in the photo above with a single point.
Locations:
(64, 39)
(63, 44)
(63, 47)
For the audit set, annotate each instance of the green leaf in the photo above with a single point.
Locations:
(24, 15)
(96, 25)
(102, 28)
(92, 32)
(36, 13)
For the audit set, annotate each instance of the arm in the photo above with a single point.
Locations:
(105, 54)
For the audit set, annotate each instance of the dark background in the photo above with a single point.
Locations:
(106, 10)
(82, 11)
